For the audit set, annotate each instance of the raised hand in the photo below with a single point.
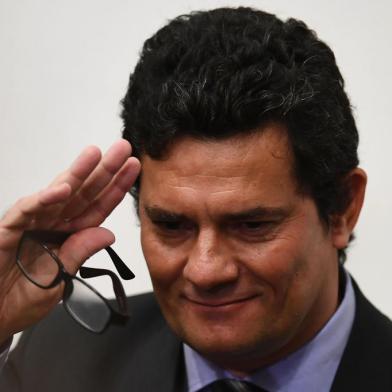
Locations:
(78, 201)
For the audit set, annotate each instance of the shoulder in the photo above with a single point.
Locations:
(59, 351)
(59, 327)
(367, 360)
(371, 324)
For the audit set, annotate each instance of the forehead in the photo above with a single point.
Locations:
(259, 160)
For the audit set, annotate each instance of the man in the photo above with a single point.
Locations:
(248, 196)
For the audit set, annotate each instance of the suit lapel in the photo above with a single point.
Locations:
(161, 368)
(366, 361)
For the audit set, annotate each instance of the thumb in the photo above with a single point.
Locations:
(82, 245)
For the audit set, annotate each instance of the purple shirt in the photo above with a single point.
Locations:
(311, 368)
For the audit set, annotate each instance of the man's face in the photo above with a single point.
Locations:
(240, 262)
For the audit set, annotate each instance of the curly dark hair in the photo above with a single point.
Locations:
(214, 74)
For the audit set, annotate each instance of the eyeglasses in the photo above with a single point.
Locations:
(38, 261)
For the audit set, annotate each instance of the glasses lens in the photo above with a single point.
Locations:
(86, 306)
(37, 264)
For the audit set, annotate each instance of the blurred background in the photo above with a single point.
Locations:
(64, 67)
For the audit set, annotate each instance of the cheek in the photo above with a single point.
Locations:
(282, 266)
(274, 261)
(295, 267)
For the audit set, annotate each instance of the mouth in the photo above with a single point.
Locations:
(220, 303)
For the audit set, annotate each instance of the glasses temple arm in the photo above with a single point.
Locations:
(121, 267)
(88, 272)
(58, 237)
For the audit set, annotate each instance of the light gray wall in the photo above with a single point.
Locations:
(64, 66)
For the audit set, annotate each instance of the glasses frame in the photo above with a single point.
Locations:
(45, 237)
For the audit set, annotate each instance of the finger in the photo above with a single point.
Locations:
(103, 174)
(24, 211)
(82, 245)
(22, 214)
(74, 177)
(102, 207)
(80, 169)
(55, 195)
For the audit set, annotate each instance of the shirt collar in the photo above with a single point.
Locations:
(311, 368)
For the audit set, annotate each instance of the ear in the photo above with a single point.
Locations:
(342, 224)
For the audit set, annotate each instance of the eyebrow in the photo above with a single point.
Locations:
(258, 213)
(157, 214)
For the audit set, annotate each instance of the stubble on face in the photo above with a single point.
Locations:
(241, 264)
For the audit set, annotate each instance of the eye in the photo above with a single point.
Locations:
(173, 227)
(252, 225)
(169, 225)
(252, 230)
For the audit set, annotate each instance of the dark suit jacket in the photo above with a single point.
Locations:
(59, 356)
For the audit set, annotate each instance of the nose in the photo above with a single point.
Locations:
(209, 264)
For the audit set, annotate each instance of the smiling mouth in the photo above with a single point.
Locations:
(220, 303)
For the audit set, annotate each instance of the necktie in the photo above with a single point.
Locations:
(229, 385)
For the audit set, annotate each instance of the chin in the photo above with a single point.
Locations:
(229, 335)
(224, 341)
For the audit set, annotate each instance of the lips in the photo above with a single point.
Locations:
(216, 303)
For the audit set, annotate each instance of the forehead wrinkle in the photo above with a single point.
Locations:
(209, 170)
(192, 181)
(211, 192)
(211, 202)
